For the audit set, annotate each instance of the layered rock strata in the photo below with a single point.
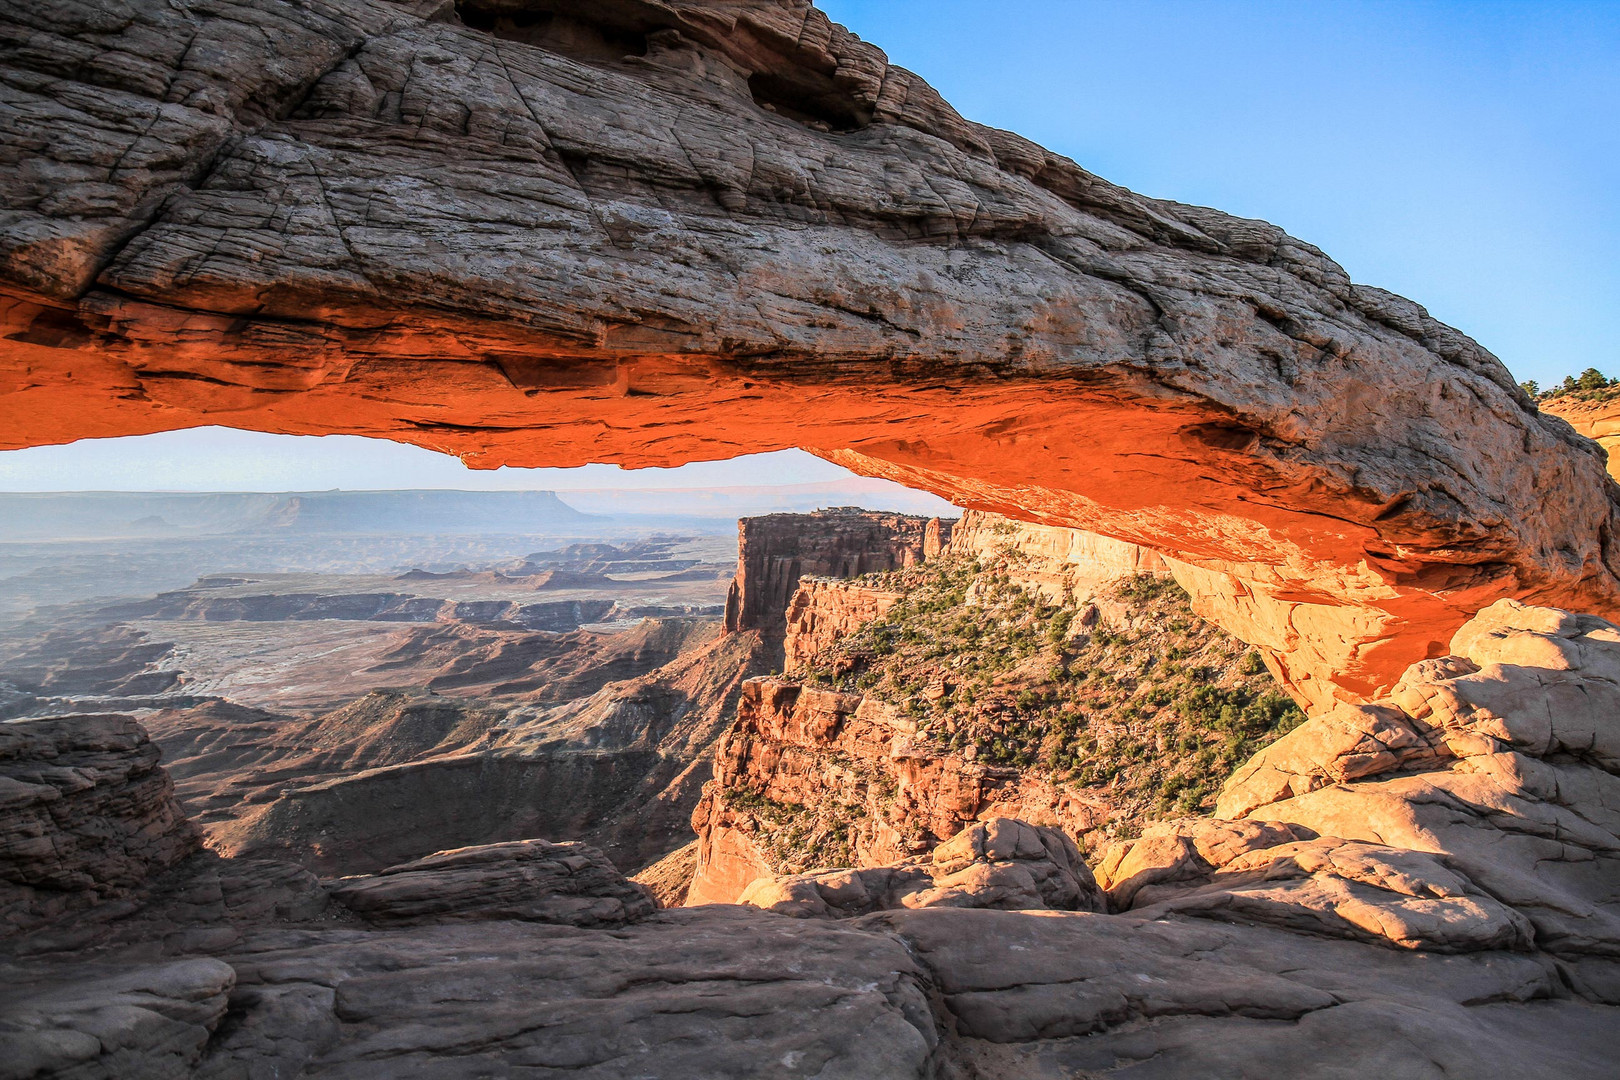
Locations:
(731, 228)
(1598, 420)
(532, 880)
(776, 550)
(823, 612)
(86, 814)
(1059, 565)
(797, 754)
(804, 761)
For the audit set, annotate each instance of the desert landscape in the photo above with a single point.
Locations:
(1234, 693)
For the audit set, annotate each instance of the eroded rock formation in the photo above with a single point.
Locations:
(1474, 808)
(823, 612)
(776, 550)
(534, 880)
(796, 755)
(86, 814)
(1598, 420)
(1001, 863)
(663, 230)
(832, 762)
(1257, 946)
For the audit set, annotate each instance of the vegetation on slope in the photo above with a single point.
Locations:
(1132, 697)
(1589, 385)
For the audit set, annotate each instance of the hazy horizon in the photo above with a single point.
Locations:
(224, 460)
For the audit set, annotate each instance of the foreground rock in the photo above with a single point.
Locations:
(1477, 807)
(1001, 863)
(86, 814)
(669, 230)
(1057, 994)
(533, 880)
(134, 1023)
(225, 968)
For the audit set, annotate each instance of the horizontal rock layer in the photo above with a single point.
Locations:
(1477, 807)
(86, 813)
(776, 550)
(824, 754)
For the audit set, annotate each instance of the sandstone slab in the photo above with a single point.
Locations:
(532, 880)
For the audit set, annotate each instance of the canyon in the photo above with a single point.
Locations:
(1442, 863)
(1257, 718)
(1022, 671)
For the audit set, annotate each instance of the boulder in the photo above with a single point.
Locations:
(1502, 759)
(1345, 888)
(1001, 863)
(534, 880)
(86, 813)
(1169, 854)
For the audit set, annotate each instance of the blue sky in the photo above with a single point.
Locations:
(1466, 155)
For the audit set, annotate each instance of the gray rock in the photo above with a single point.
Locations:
(86, 814)
(534, 880)
(590, 234)
(118, 1023)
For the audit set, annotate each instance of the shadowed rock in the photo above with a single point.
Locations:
(86, 814)
(534, 880)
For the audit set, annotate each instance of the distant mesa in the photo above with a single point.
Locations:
(111, 514)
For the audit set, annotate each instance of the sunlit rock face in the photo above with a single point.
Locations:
(1599, 420)
(650, 233)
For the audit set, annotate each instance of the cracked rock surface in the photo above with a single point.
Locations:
(1477, 806)
(997, 863)
(653, 231)
(86, 813)
(534, 880)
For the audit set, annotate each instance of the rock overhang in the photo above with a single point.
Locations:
(492, 236)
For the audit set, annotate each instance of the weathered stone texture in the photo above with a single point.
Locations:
(776, 550)
(533, 880)
(848, 754)
(1477, 807)
(1000, 863)
(823, 612)
(585, 236)
(86, 813)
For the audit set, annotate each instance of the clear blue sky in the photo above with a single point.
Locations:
(1466, 155)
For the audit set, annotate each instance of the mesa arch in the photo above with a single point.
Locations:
(539, 233)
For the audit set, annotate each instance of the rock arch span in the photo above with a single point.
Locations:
(537, 233)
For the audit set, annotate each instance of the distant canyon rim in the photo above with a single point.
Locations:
(656, 232)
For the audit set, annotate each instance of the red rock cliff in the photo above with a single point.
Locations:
(802, 759)
(776, 550)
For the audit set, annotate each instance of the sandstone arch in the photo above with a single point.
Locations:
(680, 230)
